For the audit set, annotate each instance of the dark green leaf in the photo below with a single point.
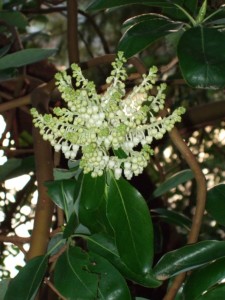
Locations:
(130, 219)
(92, 205)
(176, 14)
(111, 284)
(77, 282)
(173, 217)
(215, 203)
(210, 275)
(201, 53)
(105, 246)
(63, 193)
(71, 226)
(14, 18)
(26, 283)
(102, 4)
(214, 294)
(187, 258)
(142, 34)
(92, 191)
(16, 167)
(173, 182)
(24, 57)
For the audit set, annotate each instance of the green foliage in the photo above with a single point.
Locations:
(215, 204)
(25, 285)
(24, 58)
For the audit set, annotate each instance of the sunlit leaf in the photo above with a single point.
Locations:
(173, 182)
(188, 257)
(210, 275)
(215, 203)
(26, 283)
(24, 57)
(130, 219)
(201, 53)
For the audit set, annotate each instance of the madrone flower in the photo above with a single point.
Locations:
(112, 131)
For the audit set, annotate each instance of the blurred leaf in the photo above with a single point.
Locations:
(3, 287)
(111, 284)
(60, 174)
(14, 18)
(210, 275)
(77, 282)
(215, 293)
(215, 203)
(102, 4)
(71, 226)
(56, 243)
(201, 53)
(64, 194)
(26, 283)
(15, 167)
(188, 257)
(105, 246)
(176, 14)
(173, 182)
(173, 217)
(142, 34)
(4, 49)
(24, 57)
(130, 219)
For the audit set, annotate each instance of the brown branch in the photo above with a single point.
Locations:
(14, 239)
(72, 31)
(48, 282)
(200, 203)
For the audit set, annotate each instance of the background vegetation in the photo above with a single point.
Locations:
(38, 38)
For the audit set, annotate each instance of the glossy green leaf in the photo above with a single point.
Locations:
(63, 193)
(111, 284)
(173, 217)
(102, 4)
(201, 53)
(173, 182)
(71, 226)
(216, 293)
(210, 275)
(14, 18)
(26, 283)
(77, 282)
(16, 167)
(215, 203)
(142, 34)
(187, 258)
(105, 246)
(92, 205)
(24, 57)
(92, 191)
(130, 219)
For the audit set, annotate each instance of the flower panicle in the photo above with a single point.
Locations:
(95, 127)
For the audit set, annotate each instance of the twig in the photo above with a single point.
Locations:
(72, 31)
(48, 282)
(200, 203)
(14, 239)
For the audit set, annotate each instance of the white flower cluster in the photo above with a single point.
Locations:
(110, 131)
